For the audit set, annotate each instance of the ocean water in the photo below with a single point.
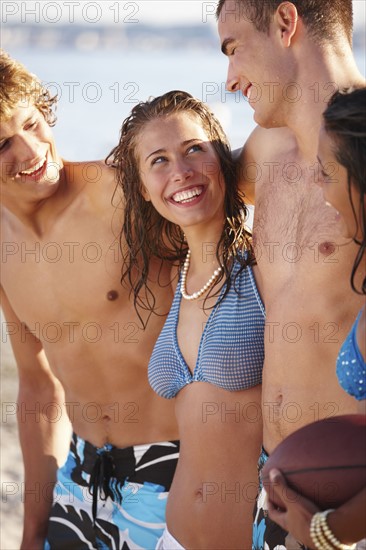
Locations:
(98, 89)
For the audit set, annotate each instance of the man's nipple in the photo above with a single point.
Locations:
(327, 248)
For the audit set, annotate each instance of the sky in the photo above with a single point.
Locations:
(189, 10)
(105, 11)
(128, 12)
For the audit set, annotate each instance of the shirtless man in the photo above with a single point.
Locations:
(78, 341)
(287, 58)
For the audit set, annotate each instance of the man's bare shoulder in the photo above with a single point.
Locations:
(264, 144)
(89, 172)
(94, 178)
(261, 148)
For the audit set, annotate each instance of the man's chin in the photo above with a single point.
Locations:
(267, 123)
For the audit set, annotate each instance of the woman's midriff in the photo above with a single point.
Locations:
(215, 484)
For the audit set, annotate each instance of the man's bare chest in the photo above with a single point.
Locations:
(292, 221)
(67, 274)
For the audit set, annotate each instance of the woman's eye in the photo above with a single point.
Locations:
(194, 148)
(158, 160)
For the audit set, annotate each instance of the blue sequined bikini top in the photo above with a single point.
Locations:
(351, 366)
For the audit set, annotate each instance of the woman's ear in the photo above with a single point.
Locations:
(287, 20)
(145, 193)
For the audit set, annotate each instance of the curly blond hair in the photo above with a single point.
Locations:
(19, 86)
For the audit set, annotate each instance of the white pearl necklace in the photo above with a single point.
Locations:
(205, 287)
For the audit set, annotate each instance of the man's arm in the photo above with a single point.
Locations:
(44, 428)
(257, 161)
(247, 167)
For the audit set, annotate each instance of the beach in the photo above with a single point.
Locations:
(11, 512)
(117, 84)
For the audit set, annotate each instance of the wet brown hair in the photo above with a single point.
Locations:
(345, 122)
(145, 232)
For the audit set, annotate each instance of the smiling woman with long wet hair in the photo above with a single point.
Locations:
(145, 231)
(174, 164)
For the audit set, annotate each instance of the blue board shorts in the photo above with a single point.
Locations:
(267, 535)
(111, 498)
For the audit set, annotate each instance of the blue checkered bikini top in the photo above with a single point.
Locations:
(351, 366)
(231, 350)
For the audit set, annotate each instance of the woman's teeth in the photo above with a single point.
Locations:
(187, 196)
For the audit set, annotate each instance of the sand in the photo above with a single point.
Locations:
(11, 464)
